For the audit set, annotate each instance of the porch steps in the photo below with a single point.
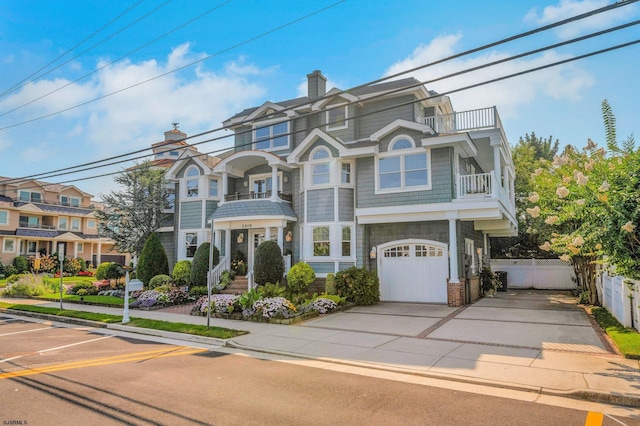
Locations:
(238, 286)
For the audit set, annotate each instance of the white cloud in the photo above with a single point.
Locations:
(568, 8)
(561, 82)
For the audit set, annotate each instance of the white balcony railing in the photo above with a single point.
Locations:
(485, 118)
(224, 264)
(483, 185)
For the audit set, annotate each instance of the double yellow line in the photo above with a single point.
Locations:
(138, 356)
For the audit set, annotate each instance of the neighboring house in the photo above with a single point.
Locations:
(37, 217)
(386, 177)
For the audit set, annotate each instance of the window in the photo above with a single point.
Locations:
(271, 137)
(69, 201)
(91, 223)
(397, 251)
(62, 223)
(75, 224)
(192, 184)
(262, 184)
(429, 251)
(321, 242)
(345, 174)
(4, 217)
(31, 247)
(9, 245)
(321, 171)
(470, 252)
(213, 187)
(337, 118)
(173, 153)
(80, 247)
(29, 222)
(170, 201)
(405, 170)
(346, 241)
(30, 196)
(191, 241)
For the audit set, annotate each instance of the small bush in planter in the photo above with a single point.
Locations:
(239, 264)
(300, 277)
(160, 280)
(358, 285)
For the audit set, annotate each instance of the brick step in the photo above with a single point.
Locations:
(237, 286)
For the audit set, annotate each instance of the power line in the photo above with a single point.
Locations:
(472, 86)
(66, 52)
(118, 59)
(67, 170)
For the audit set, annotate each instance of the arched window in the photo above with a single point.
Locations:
(404, 167)
(321, 170)
(192, 184)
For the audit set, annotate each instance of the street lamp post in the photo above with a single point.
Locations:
(61, 260)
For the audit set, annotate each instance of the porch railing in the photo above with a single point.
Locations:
(480, 186)
(252, 195)
(485, 118)
(35, 226)
(223, 265)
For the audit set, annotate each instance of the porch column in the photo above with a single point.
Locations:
(75, 249)
(274, 183)
(99, 256)
(267, 233)
(512, 189)
(216, 238)
(497, 165)
(227, 242)
(281, 238)
(453, 251)
(225, 185)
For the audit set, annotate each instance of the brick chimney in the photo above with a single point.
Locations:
(316, 84)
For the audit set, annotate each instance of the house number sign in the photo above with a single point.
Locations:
(247, 225)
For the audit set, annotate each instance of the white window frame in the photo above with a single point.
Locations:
(402, 153)
(20, 192)
(75, 224)
(189, 243)
(6, 219)
(350, 174)
(314, 241)
(66, 222)
(70, 201)
(270, 124)
(314, 163)
(217, 186)
(265, 176)
(91, 223)
(37, 219)
(336, 109)
(80, 247)
(343, 241)
(5, 243)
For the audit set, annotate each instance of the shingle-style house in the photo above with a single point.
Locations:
(387, 177)
(37, 217)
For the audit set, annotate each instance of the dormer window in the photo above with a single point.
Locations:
(30, 196)
(193, 185)
(271, 137)
(65, 200)
(404, 167)
(337, 118)
(321, 168)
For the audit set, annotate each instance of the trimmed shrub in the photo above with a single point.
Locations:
(84, 289)
(21, 263)
(268, 266)
(182, 273)
(300, 277)
(160, 280)
(330, 284)
(358, 285)
(200, 264)
(10, 270)
(109, 271)
(153, 260)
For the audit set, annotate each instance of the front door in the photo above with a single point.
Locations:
(255, 238)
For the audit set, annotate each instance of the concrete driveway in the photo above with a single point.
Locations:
(525, 319)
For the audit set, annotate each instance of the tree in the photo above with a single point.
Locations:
(133, 214)
(200, 265)
(268, 266)
(153, 260)
(529, 154)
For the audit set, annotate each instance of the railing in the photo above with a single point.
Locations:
(475, 185)
(224, 264)
(485, 118)
(35, 226)
(252, 195)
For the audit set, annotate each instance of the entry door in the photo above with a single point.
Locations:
(256, 238)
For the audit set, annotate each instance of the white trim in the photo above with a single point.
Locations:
(4, 244)
(327, 98)
(399, 123)
(402, 153)
(294, 157)
(269, 124)
(8, 217)
(328, 126)
(462, 141)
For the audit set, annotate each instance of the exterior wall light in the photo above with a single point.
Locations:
(373, 253)
(288, 237)
(240, 238)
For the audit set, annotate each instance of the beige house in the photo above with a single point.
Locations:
(37, 217)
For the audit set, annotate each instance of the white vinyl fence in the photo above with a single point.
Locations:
(551, 274)
(620, 299)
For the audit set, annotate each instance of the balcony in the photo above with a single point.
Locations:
(252, 195)
(477, 119)
(483, 185)
(35, 226)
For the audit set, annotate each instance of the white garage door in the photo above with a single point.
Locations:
(413, 272)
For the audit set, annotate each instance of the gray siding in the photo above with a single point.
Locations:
(298, 208)
(347, 134)
(191, 215)
(345, 205)
(167, 241)
(243, 138)
(317, 143)
(441, 184)
(180, 173)
(368, 124)
(210, 207)
(320, 203)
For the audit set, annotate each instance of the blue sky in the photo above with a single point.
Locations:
(352, 42)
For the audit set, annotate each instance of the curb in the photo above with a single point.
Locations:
(169, 334)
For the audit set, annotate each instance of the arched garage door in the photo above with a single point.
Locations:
(413, 271)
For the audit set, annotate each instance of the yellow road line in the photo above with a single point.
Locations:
(139, 356)
(594, 419)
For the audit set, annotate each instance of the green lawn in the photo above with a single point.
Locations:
(104, 300)
(200, 330)
(627, 339)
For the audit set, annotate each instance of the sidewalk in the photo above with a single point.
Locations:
(522, 343)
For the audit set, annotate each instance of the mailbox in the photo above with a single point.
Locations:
(135, 284)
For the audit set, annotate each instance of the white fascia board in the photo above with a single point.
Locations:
(404, 124)
(181, 162)
(68, 236)
(294, 157)
(29, 208)
(259, 222)
(429, 212)
(460, 140)
(328, 97)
